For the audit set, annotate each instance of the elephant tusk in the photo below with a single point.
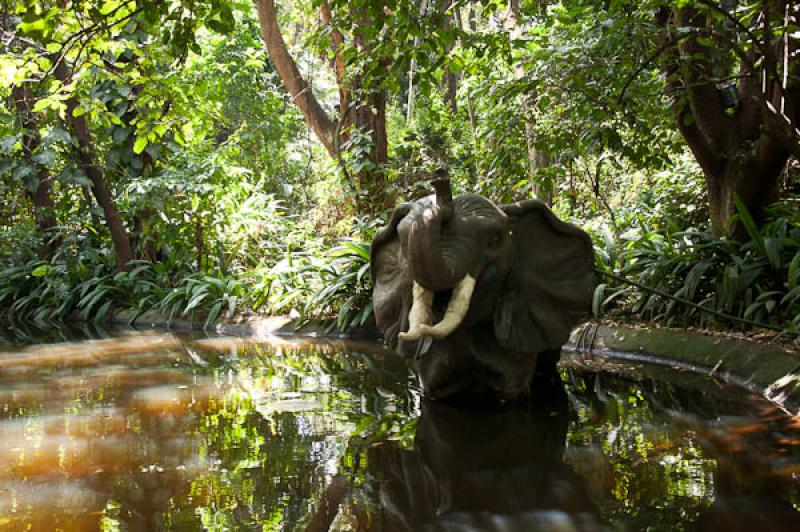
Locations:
(420, 313)
(456, 310)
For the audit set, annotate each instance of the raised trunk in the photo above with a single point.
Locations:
(428, 264)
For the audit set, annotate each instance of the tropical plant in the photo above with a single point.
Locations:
(756, 282)
(346, 286)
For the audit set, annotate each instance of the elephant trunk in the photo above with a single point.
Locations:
(444, 194)
(433, 261)
(456, 311)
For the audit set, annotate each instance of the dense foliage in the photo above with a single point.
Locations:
(153, 157)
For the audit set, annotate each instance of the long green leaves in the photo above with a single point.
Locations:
(757, 280)
(336, 285)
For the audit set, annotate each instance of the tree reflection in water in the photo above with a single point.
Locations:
(155, 432)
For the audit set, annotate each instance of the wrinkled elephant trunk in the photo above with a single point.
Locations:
(444, 194)
(421, 311)
(431, 263)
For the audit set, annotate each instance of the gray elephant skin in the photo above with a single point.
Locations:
(480, 296)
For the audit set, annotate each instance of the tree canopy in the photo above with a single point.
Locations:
(219, 149)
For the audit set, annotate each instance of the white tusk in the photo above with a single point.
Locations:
(420, 313)
(456, 310)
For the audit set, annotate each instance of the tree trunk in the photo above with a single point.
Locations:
(41, 198)
(86, 159)
(302, 95)
(449, 79)
(95, 172)
(473, 121)
(742, 150)
(542, 188)
(361, 107)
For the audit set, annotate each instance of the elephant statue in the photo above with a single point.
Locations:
(481, 296)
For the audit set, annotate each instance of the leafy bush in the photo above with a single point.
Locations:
(346, 286)
(203, 292)
(757, 279)
(334, 284)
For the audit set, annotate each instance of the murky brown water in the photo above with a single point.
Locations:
(151, 431)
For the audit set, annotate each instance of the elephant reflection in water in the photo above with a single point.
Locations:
(481, 296)
(484, 469)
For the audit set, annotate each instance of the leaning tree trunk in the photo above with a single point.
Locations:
(87, 161)
(742, 147)
(41, 198)
(361, 107)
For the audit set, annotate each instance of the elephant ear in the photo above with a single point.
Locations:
(391, 292)
(550, 286)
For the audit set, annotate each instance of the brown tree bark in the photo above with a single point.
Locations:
(87, 161)
(741, 151)
(41, 198)
(361, 107)
(449, 79)
(300, 91)
(337, 39)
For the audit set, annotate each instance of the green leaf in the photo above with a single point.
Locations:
(212, 316)
(7, 144)
(33, 26)
(794, 269)
(140, 144)
(749, 224)
(46, 157)
(597, 299)
(41, 271)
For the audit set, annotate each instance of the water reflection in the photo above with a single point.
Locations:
(480, 469)
(149, 432)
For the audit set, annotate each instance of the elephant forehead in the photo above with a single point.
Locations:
(473, 205)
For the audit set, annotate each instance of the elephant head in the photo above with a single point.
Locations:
(474, 291)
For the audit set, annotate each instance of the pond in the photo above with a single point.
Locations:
(152, 431)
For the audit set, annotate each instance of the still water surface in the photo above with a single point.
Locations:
(152, 431)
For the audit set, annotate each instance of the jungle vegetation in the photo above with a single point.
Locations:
(208, 158)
